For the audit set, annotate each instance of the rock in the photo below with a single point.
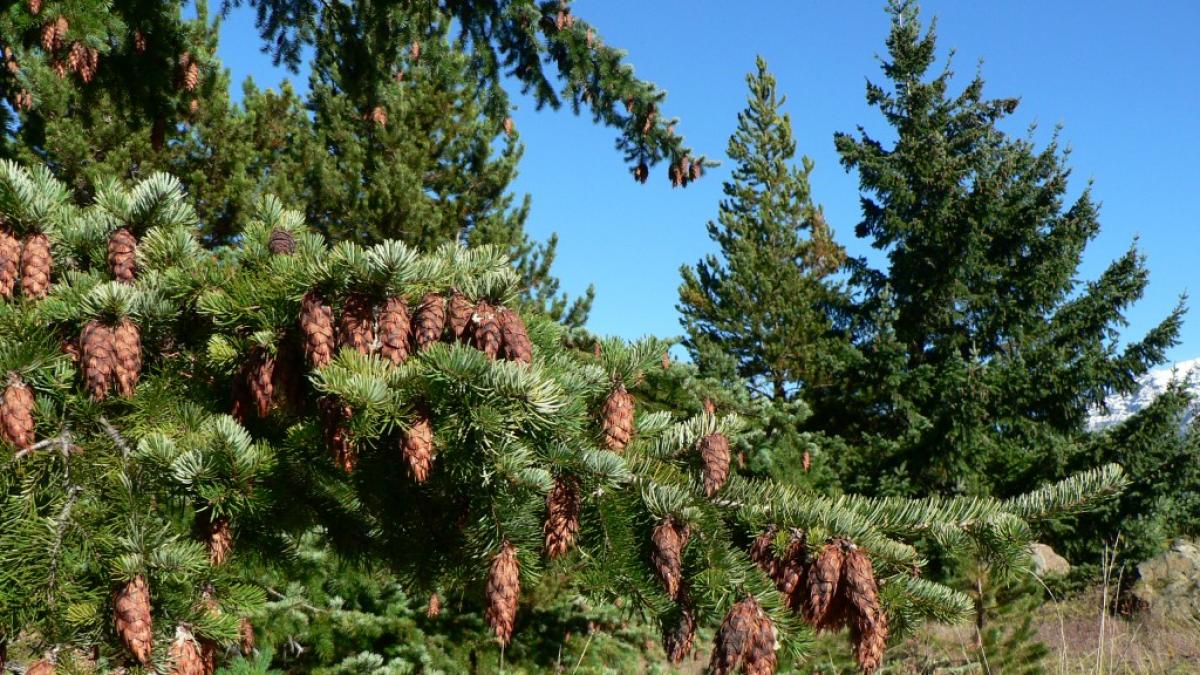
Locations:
(1048, 563)
(1169, 584)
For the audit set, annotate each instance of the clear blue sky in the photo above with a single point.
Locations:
(1121, 80)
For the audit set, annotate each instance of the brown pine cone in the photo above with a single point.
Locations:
(356, 324)
(395, 328)
(42, 667)
(669, 539)
(714, 455)
(806, 461)
(127, 356)
(16, 413)
(485, 329)
(761, 658)
(281, 242)
(562, 516)
(762, 552)
(36, 266)
(737, 638)
(618, 418)
(517, 346)
(96, 345)
(334, 417)
(434, 609)
(641, 173)
(418, 447)
(131, 609)
(868, 623)
(680, 636)
(289, 382)
(461, 311)
(139, 41)
(35, 6)
(259, 375)
(208, 655)
(220, 540)
(792, 574)
(186, 655)
(122, 255)
(10, 258)
(824, 609)
(502, 591)
(246, 634)
(316, 321)
(429, 321)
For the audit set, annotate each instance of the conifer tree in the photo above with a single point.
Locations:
(761, 316)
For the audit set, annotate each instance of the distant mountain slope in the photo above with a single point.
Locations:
(1153, 383)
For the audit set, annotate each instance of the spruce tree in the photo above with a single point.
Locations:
(761, 316)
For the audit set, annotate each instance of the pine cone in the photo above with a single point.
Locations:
(618, 418)
(502, 591)
(334, 416)
(461, 311)
(356, 324)
(666, 360)
(806, 461)
(36, 266)
(10, 258)
(762, 552)
(42, 667)
(562, 516)
(792, 574)
(35, 6)
(395, 327)
(517, 346)
(680, 637)
(485, 330)
(99, 360)
(208, 655)
(824, 609)
(127, 356)
(122, 255)
(258, 373)
(508, 126)
(246, 634)
(49, 37)
(641, 173)
(316, 321)
(139, 42)
(714, 455)
(761, 658)
(434, 609)
(669, 539)
(289, 384)
(418, 447)
(868, 623)
(281, 242)
(131, 606)
(16, 413)
(186, 656)
(737, 638)
(429, 321)
(220, 540)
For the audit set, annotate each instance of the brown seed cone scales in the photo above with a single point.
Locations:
(395, 327)
(186, 656)
(868, 623)
(761, 658)
(356, 324)
(122, 255)
(502, 591)
(259, 375)
(131, 608)
(792, 574)
(429, 321)
(517, 346)
(281, 242)
(16, 413)
(289, 382)
(10, 258)
(669, 539)
(316, 321)
(618, 418)
(485, 329)
(434, 609)
(36, 266)
(220, 540)
(562, 516)
(418, 447)
(737, 637)
(246, 636)
(714, 455)
(762, 552)
(99, 361)
(459, 318)
(35, 6)
(42, 667)
(208, 655)
(680, 637)
(127, 356)
(334, 416)
(822, 609)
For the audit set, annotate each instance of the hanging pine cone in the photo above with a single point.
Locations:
(429, 321)
(434, 609)
(762, 552)
(208, 655)
(139, 42)
(99, 361)
(666, 360)
(281, 242)
(316, 321)
(641, 172)
(356, 324)
(791, 575)
(868, 623)
(618, 418)
(122, 254)
(737, 642)
(761, 658)
(669, 539)
(825, 608)
(36, 266)
(16, 413)
(714, 456)
(680, 636)
(246, 636)
(395, 327)
(10, 258)
(485, 329)
(517, 346)
(502, 591)
(418, 447)
(562, 516)
(335, 415)
(35, 6)
(508, 126)
(258, 374)
(806, 461)
(185, 654)
(461, 311)
(131, 607)
(42, 667)
(288, 382)
(219, 540)
(127, 356)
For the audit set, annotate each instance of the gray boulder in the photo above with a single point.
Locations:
(1169, 586)
(1047, 562)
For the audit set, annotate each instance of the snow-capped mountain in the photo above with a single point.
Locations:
(1152, 383)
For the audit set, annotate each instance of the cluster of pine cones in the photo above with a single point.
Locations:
(28, 261)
